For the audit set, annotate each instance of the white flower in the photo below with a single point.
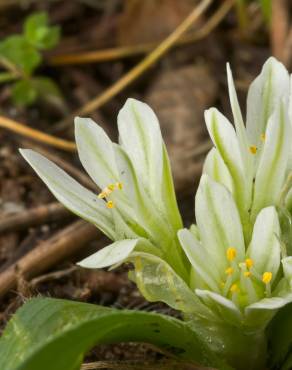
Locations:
(136, 206)
(253, 161)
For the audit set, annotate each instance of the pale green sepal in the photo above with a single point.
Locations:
(263, 97)
(200, 260)
(215, 167)
(265, 248)
(140, 136)
(113, 254)
(96, 152)
(224, 307)
(218, 221)
(70, 193)
(273, 163)
(259, 314)
(224, 138)
(157, 281)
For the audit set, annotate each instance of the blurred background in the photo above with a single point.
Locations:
(62, 58)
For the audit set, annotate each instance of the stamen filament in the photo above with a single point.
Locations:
(266, 279)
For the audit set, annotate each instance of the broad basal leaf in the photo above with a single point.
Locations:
(55, 334)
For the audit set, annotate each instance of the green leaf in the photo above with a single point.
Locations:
(51, 333)
(48, 91)
(280, 339)
(39, 33)
(18, 51)
(24, 92)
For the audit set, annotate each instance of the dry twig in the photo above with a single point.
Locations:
(33, 217)
(133, 50)
(141, 67)
(22, 129)
(63, 244)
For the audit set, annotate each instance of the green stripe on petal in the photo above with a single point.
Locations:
(215, 167)
(218, 221)
(263, 97)
(96, 152)
(224, 138)
(70, 193)
(272, 168)
(265, 249)
(200, 260)
(140, 136)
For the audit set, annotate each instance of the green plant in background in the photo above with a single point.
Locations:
(20, 55)
(230, 274)
(266, 8)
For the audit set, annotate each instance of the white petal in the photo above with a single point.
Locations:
(215, 167)
(273, 163)
(265, 248)
(140, 136)
(259, 314)
(200, 260)
(224, 138)
(95, 151)
(228, 310)
(113, 254)
(70, 193)
(238, 120)
(145, 212)
(263, 97)
(218, 221)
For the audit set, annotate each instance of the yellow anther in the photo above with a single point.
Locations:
(119, 185)
(263, 137)
(110, 187)
(253, 149)
(110, 204)
(249, 263)
(234, 288)
(231, 253)
(247, 274)
(267, 277)
(229, 271)
(105, 192)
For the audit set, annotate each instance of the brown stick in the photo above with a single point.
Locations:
(132, 50)
(279, 28)
(141, 67)
(33, 217)
(22, 129)
(60, 246)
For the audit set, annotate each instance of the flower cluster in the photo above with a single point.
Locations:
(234, 265)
